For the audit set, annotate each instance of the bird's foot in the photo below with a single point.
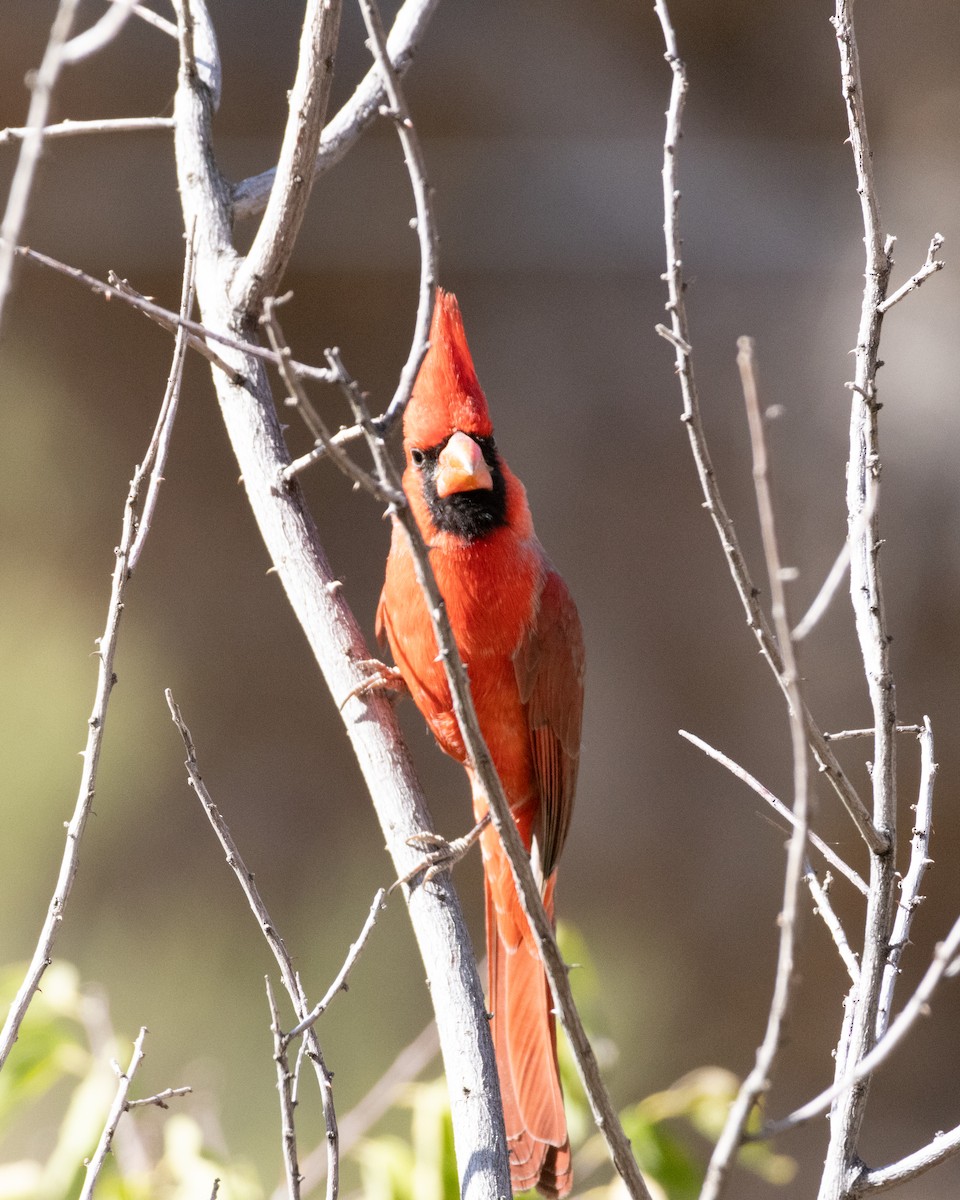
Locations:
(439, 854)
(381, 679)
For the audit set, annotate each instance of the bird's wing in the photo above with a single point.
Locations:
(549, 663)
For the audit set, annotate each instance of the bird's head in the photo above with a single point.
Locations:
(452, 460)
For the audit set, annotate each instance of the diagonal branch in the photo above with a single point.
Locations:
(266, 262)
(360, 111)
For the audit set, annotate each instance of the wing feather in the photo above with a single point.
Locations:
(549, 664)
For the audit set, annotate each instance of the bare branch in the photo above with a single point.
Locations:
(160, 1099)
(106, 678)
(931, 265)
(863, 535)
(99, 35)
(821, 899)
(360, 111)
(757, 1083)
(680, 339)
(288, 1129)
(68, 128)
(159, 447)
(843, 735)
(424, 222)
(117, 1109)
(942, 963)
(19, 195)
(312, 418)
(151, 18)
(910, 897)
(778, 806)
(266, 262)
(379, 1099)
(881, 1179)
(340, 983)
(276, 943)
(823, 598)
(120, 289)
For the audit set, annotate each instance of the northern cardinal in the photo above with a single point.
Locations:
(518, 631)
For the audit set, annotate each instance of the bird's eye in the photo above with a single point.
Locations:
(417, 456)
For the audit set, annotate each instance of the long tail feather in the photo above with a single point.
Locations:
(524, 1040)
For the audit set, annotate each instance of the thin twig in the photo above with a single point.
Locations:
(943, 961)
(931, 265)
(160, 1099)
(911, 883)
(152, 18)
(757, 1082)
(778, 806)
(288, 1128)
(359, 112)
(679, 338)
(69, 128)
(159, 448)
(106, 678)
(842, 735)
(117, 1109)
(276, 943)
(424, 220)
(348, 434)
(408, 1064)
(22, 183)
(314, 421)
(99, 35)
(120, 289)
(825, 910)
(265, 263)
(822, 600)
(340, 983)
(881, 1179)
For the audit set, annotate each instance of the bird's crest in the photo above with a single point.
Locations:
(447, 395)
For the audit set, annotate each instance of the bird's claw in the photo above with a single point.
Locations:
(439, 854)
(381, 679)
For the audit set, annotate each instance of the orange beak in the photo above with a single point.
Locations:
(462, 467)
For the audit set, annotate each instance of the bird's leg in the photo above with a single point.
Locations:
(381, 679)
(439, 854)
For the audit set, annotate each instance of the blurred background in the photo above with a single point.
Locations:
(542, 128)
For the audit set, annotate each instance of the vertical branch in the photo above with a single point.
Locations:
(863, 481)
(265, 264)
(758, 1081)
(678, 335)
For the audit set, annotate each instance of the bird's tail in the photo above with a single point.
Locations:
(525, 1043)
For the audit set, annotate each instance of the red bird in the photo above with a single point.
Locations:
(518, 631)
